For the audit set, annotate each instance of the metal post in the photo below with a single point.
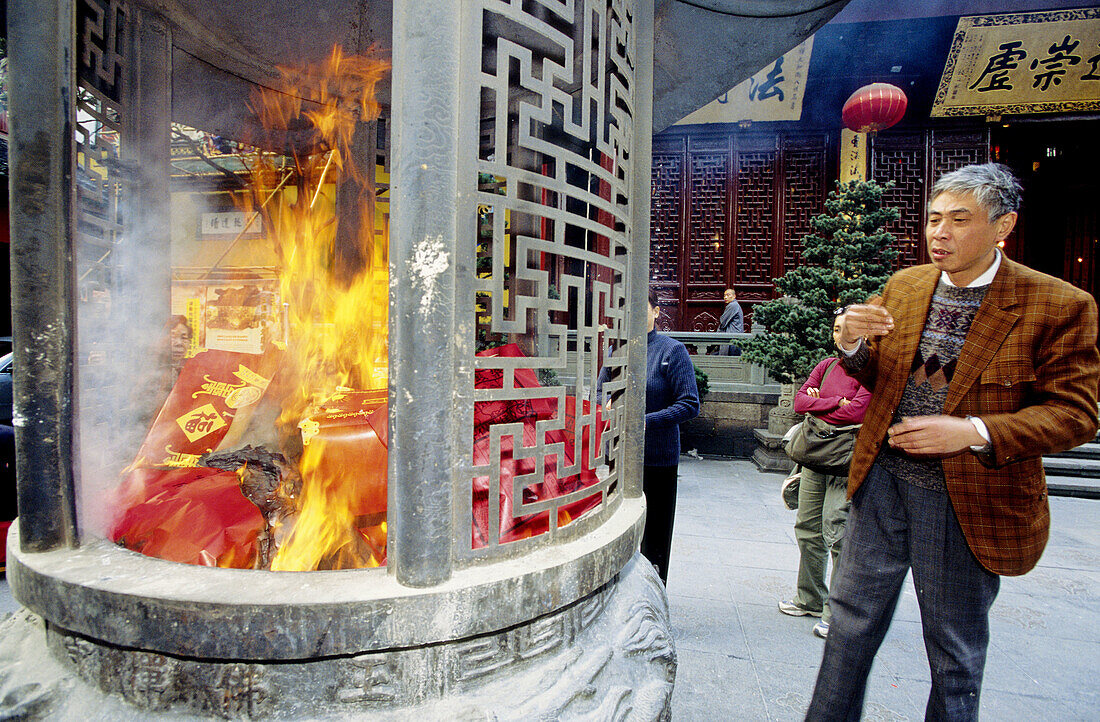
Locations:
(141, 266)
(427, 41)
(638, 282)
(147, 137)
(42, 77)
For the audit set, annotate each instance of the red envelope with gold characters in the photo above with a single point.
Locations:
(214, 389)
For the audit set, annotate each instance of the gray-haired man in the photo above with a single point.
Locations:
(977, 366)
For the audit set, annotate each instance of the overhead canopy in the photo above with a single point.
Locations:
(220, 50)
(704, 48)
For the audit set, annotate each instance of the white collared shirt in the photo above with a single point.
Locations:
(983, 280)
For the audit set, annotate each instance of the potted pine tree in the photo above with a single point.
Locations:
(846, 258)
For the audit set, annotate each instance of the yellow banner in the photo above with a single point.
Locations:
(774, 93)
(1042, 62)
(853, 156)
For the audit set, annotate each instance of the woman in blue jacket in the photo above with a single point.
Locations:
(671, 398)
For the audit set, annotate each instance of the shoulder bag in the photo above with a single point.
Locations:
(823, 447)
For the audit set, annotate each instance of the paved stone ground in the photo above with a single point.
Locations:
(734, 556)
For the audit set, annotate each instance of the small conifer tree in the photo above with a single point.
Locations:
(846, 259)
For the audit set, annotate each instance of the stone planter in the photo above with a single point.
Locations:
(769, 454)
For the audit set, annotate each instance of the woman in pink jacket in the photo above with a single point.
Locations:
(831, 395)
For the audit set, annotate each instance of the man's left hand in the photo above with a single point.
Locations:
(934, 436)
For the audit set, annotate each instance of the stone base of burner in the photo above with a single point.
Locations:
(607, 656)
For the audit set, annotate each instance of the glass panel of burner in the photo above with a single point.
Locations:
(232, 300)
(103, 182)
(553, 229)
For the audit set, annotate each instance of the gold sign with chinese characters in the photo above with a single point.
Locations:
(1041, 62)
(853, 156)
(231, 224)
(774, 93)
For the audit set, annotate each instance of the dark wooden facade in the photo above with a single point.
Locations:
(730, 206)
(728, 211)
(913, 160)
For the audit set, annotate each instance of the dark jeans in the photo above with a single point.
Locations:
(659, 485)
(893, 526)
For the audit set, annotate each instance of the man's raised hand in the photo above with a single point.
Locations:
(864, 320)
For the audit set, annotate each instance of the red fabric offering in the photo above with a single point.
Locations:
(174, 510)
(587, 476)
(344, 450)
(4, 526)
(191, 515)
(529, 412)
(199, 515)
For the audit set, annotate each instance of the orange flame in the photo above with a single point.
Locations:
(327, 533)
(335, 299)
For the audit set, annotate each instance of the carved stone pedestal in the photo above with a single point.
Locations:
(607, 656)
(769, 454)
(783, 416)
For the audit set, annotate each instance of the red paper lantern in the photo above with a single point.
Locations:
(874, 107)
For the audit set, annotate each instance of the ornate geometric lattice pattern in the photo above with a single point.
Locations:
(756, 216)
(904, 166)
(666, 206)
(804, 193)
(945, 160)
(101, 45)
(554, 175)
(707, 218)
(381, 143)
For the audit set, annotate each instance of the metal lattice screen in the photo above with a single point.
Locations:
(553, 175)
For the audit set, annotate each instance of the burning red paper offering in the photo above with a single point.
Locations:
(327, 510)
(278, 460)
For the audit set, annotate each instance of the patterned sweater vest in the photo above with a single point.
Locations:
(949, 318)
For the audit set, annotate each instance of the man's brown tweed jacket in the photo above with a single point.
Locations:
(1029, 368)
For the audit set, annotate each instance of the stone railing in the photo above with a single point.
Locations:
(729, 374)
(741, 395)
(725, 373)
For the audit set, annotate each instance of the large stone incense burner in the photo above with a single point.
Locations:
(338, 279)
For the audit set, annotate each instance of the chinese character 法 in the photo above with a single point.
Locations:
(770, 86)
